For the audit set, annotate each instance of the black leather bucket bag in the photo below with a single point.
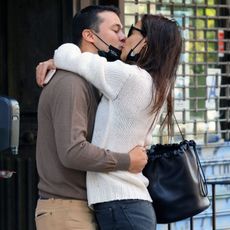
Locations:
(177, 182)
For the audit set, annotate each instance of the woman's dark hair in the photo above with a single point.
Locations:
(160, 58)
(88, 18)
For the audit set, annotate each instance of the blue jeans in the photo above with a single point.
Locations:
(125, 215)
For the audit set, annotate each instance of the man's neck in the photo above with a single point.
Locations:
(88, 48)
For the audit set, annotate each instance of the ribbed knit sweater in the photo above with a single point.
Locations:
(123, 118)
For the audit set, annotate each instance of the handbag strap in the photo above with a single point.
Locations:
(182, 135)
(201, 175)
(202, 179)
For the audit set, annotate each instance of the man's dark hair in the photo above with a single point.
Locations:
(88, 18)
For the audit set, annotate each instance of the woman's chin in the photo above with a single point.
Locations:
(123, 57)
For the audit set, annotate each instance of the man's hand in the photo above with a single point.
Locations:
(138, 159)
(42, 69)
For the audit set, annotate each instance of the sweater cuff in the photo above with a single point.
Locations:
(123, 161)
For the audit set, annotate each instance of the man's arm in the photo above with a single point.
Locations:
(71, 118)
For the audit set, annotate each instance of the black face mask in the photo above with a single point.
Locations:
(112, 55)
(131, 55)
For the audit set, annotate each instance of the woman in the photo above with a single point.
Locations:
(133, 99)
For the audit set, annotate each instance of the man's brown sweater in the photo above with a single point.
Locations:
(66, 113)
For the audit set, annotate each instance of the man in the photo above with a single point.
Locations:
(66, 113)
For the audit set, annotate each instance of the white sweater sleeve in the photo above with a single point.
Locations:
(108, 77)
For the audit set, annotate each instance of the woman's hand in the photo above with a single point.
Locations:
(42, 70)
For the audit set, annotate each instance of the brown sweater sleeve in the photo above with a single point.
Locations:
(73, 111)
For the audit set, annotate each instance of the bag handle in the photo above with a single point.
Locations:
(201, 175)
(182, 135)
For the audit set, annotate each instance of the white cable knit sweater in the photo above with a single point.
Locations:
(122, 120)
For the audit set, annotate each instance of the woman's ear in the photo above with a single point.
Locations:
(88, 35)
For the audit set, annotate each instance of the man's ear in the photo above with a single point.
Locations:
(88, 35)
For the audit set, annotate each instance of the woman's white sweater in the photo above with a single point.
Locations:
(123, 118)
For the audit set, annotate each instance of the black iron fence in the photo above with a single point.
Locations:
(18, 194)
(214, 213)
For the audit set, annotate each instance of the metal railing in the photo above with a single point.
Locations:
(214, 213)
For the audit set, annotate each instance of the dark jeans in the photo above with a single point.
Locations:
(125, 215)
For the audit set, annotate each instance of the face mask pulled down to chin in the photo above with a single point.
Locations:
(112, 55)
(132, 57)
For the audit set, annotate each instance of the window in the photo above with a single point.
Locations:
(202, 89)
